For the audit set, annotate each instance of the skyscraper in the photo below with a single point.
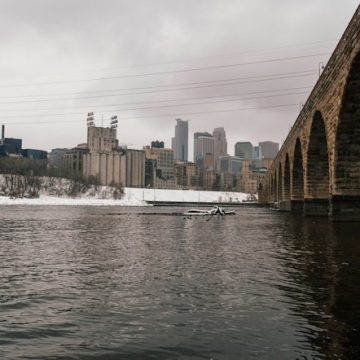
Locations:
(161, 169)
(180, 141)
(229, 164)
(244, 150)
(220, 145)
(204, 144)
(256, 160)
(257, 153)
(268, 149)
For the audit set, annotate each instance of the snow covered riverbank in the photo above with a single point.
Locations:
(65, 201)
(184, 195)
(131, 197)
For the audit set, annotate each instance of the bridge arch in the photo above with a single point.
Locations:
(347, 142)
(317, 169)
(273, 188)
(298, 173)
(286, 181)
(317, 160)
(269, 186)
(279, 183)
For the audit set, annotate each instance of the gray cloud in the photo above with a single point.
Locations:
(61, 40)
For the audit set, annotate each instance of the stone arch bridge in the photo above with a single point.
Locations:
(317, 170)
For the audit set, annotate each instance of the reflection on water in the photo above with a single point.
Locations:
(95, 283)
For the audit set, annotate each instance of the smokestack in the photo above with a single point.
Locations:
(3, 132)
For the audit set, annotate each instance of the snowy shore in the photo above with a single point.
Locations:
(132, 197)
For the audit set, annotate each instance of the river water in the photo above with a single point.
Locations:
(147, 283)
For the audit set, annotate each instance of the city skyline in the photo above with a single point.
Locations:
(166, 62)
(191, 143)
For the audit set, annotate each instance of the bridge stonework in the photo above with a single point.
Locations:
(317, 170)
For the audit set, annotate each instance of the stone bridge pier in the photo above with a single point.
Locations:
(317, 170)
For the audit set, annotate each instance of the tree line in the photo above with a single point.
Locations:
(23, 177)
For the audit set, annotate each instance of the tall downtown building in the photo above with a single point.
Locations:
(268, 149)
(204, 149)
(220, 143)
(180, 142)
(244, 150)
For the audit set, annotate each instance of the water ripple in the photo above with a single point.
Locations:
(108, 283)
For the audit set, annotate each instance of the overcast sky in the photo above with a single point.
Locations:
(245, 65)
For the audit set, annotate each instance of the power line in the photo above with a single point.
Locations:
(212, 83)
(249, 52)
(242, 53)
(163, 106)
(305, 72)
(213, 67)
(153, 116)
